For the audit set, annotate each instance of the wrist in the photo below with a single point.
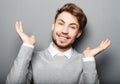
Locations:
(87, 56)
(88, 59)
(29, 45)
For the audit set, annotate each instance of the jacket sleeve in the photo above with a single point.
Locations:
(20, 72)
(89, 74)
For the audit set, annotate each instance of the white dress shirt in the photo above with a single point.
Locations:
(67, 53)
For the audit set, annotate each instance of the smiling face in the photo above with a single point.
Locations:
(64, 31)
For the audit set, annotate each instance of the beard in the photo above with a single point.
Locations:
(61, 45)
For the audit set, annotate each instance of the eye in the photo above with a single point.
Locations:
(60, 23)
(73, 27)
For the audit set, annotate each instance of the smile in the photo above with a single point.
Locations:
(64, 38)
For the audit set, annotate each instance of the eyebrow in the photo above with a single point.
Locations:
(70, 23)
(61, 20)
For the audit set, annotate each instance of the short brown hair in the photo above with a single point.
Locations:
(76, 11)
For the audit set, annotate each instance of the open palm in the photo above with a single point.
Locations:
(92, 52)
(25, 38)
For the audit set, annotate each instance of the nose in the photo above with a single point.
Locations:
(65, 30)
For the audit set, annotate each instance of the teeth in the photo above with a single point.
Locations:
(63, 38)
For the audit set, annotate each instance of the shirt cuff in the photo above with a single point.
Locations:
(25, 44)
(88, 59)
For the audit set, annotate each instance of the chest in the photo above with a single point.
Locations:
(51, 72)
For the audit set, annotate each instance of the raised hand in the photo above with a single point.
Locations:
(25, 38)
(88, 52)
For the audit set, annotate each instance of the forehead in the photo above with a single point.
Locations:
(67, 18)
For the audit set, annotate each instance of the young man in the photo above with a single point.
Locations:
(59, 63)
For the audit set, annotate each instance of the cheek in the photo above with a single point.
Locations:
(57, 30)
(73, 34)
(53, 33)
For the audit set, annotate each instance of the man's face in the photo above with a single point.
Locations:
(65, 30)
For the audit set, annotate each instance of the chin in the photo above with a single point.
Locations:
(63, 45)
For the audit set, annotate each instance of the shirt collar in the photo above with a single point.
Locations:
(54, 52)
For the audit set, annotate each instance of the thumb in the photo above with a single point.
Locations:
(88, 48)
(32, 37)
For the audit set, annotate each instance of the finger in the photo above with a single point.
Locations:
(88, 48)
(107, 41)
(17, 26)
(102, 42)
(20, 26)
(32, 36)
(32, 39)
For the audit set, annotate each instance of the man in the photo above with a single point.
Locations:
(59, 63)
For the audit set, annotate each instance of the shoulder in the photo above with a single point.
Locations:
(77, 54)
(40, 53)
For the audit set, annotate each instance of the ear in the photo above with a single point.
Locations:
(79, 34)
(53, 26)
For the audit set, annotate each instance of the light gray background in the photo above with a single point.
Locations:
(37, 17)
